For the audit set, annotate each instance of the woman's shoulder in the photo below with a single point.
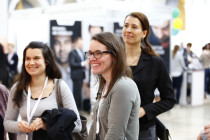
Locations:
(125, 79)
(4, 89)
(155, 61)
(179, 54)
(157, 58)
(125, 88)
(14, 86)
(125, 83)
(62, 84)
(151, 57)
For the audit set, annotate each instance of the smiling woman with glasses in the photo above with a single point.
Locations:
(117, 92)
(97, 54)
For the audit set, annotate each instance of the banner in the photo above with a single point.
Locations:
(159, 38)
(61, 42)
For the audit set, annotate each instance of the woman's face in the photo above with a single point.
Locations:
(132, 31)
(101, 65)
(34, 62)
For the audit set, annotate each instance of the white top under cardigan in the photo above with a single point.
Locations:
(100, 102)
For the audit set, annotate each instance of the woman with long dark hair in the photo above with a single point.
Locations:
(177, 68)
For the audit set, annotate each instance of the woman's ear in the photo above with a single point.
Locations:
(114, 60)
(144, 33)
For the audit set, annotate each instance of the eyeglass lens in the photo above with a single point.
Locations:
(96, 54)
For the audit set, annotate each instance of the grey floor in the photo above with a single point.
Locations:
(183, 122)
(186, 122)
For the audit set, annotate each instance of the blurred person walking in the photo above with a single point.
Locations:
(78, 64)
(177, 68)
(12, 58)
(189, 55)
(205, 60)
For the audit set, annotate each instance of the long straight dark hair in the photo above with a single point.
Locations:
(52, 70)
(119, 66)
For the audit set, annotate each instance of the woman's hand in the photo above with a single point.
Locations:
(37, 124)
(206, 131)
(24, 127)
(141, 112)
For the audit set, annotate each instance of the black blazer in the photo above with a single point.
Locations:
(13, 66)
(77, 70)
(149, 74)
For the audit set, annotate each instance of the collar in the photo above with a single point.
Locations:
(144, 59)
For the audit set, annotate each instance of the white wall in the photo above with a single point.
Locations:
(3, 18)
(24, 28)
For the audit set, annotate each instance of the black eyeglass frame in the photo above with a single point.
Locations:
(89, 54)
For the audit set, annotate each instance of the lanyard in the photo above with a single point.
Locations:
(29, 116)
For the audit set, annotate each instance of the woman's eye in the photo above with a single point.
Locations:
(37, 58)
(126, 26)
(98, 53)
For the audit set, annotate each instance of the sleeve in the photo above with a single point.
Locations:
(69, 102)
(201, 58)
(11, 116)
(119, 112)
(4, 93)
(16, 61)
(165, 87)
(73, 62)
(182, 62)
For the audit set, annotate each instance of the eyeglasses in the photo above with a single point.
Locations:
(97, 54)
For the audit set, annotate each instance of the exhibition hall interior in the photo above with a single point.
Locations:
(178, 28)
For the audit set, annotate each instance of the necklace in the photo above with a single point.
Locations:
(134, 61)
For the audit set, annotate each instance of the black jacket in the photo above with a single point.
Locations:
(13, 66)
(4, 68)
(149, 74)
(77, 70)
(60, 124)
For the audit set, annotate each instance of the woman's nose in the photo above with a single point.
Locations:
(31, 61)
(128, 29)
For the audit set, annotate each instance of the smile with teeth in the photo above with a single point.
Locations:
(32, 68)
(128, 36)
(95, 65)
